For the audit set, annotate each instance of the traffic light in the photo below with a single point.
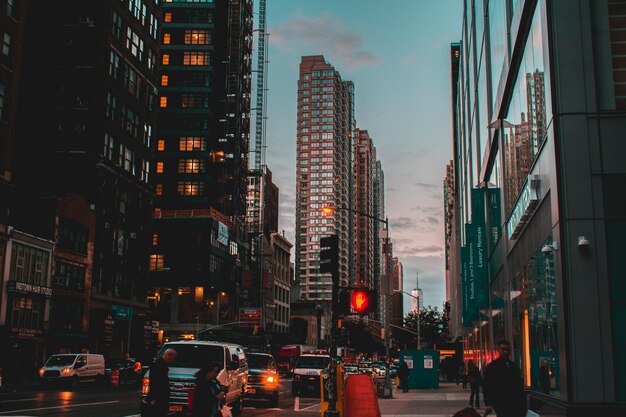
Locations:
(329, 255)
(357, 301)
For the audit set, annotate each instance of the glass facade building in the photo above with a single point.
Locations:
(538, 112)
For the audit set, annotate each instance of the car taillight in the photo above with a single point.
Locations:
(145, 386)
(41, 371)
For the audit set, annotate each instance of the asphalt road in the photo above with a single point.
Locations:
(98, 401)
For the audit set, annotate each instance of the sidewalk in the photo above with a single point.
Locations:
(439, 402)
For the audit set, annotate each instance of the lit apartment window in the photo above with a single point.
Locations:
(163, 101)
(160, 145)
(166, 59)
(196, 58)
(190, 166)
(190, 188)
(168, 17)
(188, 144)
(197, 37)
(156, 262)
(159, 167)
(166, 38)
(164, 80)
(158, 189)
(155, 239)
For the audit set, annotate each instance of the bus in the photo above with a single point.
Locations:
(289, 354)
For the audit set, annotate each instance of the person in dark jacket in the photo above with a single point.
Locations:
(403, 375)
(504, 387)
(208, 394)
(159, 392)
(473, 375)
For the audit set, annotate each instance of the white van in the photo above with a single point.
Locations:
(73, 368)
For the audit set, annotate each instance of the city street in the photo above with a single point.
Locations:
(124, 401)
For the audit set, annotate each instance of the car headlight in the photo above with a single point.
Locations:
(66, 371)
(271, 380)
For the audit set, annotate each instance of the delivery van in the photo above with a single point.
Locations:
(72, 368)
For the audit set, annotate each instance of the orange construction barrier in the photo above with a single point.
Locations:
(115, 378)
(360, 397)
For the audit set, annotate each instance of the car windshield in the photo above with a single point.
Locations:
(259, 361)
(313, 362)
(194, 356)
(61, 360)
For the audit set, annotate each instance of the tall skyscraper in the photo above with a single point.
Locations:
(364, 168)
(202, 146)
(324, 172)
(379, 213)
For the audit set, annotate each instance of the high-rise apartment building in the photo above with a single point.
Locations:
(83, 138)
(539, 96)
(379, 213)
(201, 170)
(364, 166)
(324, 172)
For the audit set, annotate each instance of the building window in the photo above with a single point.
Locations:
(29, 265)
(6, 44)
(164, 80)
(154, 26)
(168, 17)
(145, 170)
(194, 101)
(117, 25)
(196, 58)
(26, 313)
(166, 59)
(10, 7)
(134, 44)
(156, 262)
(190, 188)
(191, 166)
(163, 102)
(167, 38)
(72, 236)
(188, 144)
(197, 37)
(159, 167)
(111, 106)
(114, 65)
(160, 145)
(158, 189)
(69, 275)
(155, 239)
(109, 147)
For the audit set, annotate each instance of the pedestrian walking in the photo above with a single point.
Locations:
(503, 387)
(208, 394)
(403, 374)
(473, 375)
(159, 392)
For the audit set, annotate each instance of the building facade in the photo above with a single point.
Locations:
(324, 172)
(539, 114)
(364, 160)
(202, 142)
(379, 213)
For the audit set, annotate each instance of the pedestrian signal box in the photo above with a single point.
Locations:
(362, 301)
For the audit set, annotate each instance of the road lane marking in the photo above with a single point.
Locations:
(18, 400)
(60, 406)
(311, 406)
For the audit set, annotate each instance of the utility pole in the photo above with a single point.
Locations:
(419, 336)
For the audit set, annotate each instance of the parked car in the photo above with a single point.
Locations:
(307, 373)
(262, 377)
(72, 368)
(192, 355)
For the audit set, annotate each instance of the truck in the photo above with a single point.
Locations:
(288, 355)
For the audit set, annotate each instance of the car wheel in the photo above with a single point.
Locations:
(74, 382)
(274, 401)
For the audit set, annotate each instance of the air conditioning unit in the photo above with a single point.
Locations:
(133, 235)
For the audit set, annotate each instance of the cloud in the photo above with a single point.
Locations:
(427, 187)
(321, 34)
(420, 251)
(403, 223)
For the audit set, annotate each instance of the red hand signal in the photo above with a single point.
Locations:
(360, 301)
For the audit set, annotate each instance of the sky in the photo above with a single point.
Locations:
(397, 54)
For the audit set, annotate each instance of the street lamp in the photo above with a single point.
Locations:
(331, 210)
(419, 337)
